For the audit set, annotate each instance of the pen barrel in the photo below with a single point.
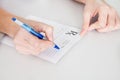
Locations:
(32, 31)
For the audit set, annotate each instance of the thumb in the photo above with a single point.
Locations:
(49, 33)
(94, 26)
(48, 30)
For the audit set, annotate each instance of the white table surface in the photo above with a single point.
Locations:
(95, 57)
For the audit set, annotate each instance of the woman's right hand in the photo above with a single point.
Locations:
(26, 43)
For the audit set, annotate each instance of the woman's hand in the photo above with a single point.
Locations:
(108, 18)
(28, 44)
(24, 41)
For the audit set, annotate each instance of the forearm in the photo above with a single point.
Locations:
(6, 25)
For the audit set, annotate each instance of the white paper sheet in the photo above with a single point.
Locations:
(64, 36)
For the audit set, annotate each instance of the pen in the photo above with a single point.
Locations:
(31, 30)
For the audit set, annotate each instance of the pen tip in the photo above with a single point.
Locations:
(56, 47)
(14, 19)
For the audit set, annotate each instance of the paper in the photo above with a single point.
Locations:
(64, 36)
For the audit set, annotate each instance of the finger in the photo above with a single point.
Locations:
(34, 51)
(49, 33)
(110, 22)
(21, 39)
(95, 13)
(83, 32)
(23, 44)
(42, 27)
(112, 18)
(106, 29)
(48, 30)
(113, 23)
(23, 50)
(103, 14)
(95, 25)
(103, 29)
(43, 45)
(29, 40)
(117, 22)
(33, 42)
(86, 22)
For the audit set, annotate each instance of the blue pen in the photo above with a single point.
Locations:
(31, 30)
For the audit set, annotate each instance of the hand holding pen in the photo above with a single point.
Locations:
(27, 39)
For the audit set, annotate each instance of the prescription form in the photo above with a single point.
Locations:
(64, 36)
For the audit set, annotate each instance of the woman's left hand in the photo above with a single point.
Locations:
(108, 18)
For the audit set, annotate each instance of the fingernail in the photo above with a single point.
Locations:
(83, 32)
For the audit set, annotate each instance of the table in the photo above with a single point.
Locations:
(95, 57)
